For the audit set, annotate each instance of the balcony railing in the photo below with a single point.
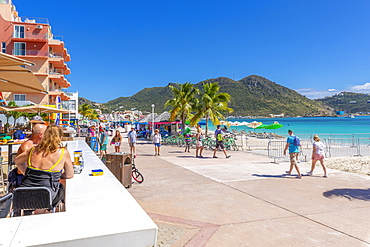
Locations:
(26, 52)
(34, 20)
(56, 72)
(56, 55)
(56, 37)
(29, 35)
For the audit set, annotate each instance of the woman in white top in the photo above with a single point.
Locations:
(157, 139)
(317, 154)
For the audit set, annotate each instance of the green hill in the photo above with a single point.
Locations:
(252, 95)
(348, 101)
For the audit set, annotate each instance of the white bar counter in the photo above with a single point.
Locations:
(99, 212)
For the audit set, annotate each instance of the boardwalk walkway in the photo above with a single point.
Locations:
(246, 201)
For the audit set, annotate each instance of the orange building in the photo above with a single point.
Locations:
(32, 39)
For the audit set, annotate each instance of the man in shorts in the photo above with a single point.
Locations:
(219, 142)
(132, 141)
(103, 141)
(293, 153)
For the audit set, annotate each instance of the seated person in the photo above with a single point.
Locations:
(44, 164)
(18, 134)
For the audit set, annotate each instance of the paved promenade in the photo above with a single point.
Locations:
(246, 201)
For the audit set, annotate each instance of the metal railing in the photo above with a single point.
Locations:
(29, 35)
(334, 147)
(34, 20)
(26, 52)
(275, 149)
(56, 72)
(56, 37)
(56, 55)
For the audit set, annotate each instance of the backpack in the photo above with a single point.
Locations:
(297, 141)
(219, 137)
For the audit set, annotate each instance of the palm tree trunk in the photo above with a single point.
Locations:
(206, 134)
(183, 124)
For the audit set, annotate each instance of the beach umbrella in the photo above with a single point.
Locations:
(236, 123)
(262, 126)
(254, 124)
(274, 126)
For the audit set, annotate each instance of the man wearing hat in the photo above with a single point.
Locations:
(219, 142)
(132, 140)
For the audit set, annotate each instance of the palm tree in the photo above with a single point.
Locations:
(183, 102)
(211, 104)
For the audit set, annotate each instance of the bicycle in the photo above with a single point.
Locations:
(136, 175)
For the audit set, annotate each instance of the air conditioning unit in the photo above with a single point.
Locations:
(39, 27)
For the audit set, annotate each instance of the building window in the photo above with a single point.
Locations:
(19, 49)
(3, 47)
(19, 97)
(18, 32)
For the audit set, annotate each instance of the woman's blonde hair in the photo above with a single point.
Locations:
(316, 138)
(51, 141)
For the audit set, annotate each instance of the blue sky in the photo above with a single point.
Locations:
(316, 47)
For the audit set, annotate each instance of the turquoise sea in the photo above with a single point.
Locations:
(313, 125)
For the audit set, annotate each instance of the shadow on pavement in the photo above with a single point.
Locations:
(350, 194)
(273, 176)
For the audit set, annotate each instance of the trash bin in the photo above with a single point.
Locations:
(94, 144)
(120, 165)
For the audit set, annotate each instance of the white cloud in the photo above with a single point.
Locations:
(313, 93)
(364, 88)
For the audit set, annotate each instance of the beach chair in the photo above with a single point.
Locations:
(5, 205)
(28, 199)
(235, 132)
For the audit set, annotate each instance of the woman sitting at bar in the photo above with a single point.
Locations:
(44, 164)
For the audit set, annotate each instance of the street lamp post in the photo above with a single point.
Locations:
(153, 119)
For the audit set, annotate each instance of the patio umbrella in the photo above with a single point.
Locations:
(6, 108)
(9, 60)
(39, 109)
(18, 79)
(254, 124)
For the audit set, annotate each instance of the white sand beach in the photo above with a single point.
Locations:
(359, 165)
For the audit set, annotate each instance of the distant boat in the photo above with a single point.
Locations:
(350, 116)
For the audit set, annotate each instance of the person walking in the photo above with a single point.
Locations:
(219, 142)
(132, 135)
(157, 139)
(199, 139)
(293, 153)
(103, 141)
(187, 138)
(317, 154)
(116, 141)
